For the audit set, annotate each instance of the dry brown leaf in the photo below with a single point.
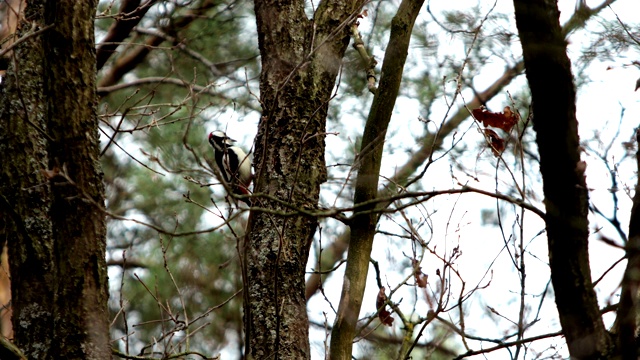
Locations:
(421, 278)
(383, 314)
(497, 143)
(504, 120)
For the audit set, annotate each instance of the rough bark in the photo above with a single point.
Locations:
(300, 62)
(363, 227)
(553, 93)
(81, 324)
(54, 224)
(25, 198)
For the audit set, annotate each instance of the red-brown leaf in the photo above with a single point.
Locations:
(421, 278)
(383, 315)
(504, 120)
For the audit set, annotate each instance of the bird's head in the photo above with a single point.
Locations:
(219, 139)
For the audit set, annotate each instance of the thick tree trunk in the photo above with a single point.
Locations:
(300, 62)
(81, 323)
(25, 197)
(549, 74)
(54, 192)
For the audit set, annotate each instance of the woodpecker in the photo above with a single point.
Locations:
(233, 162)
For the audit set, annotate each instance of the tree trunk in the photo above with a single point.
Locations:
(25, 198)
(628, 307)
(77, 220)
(53, 209)
(300, 62)
(363, 226)
(549, 74)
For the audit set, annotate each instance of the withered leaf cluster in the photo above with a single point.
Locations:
(384, 315)
(505, 121)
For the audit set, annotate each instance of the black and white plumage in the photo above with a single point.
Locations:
(233, 162)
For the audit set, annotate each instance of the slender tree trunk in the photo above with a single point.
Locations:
(549, 74)
(628, 307)
(300, 62)
(363, 226)
(53, 192)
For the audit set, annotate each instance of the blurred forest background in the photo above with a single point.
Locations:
(462, 259)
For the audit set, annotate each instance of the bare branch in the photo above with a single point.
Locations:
(131, 12)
